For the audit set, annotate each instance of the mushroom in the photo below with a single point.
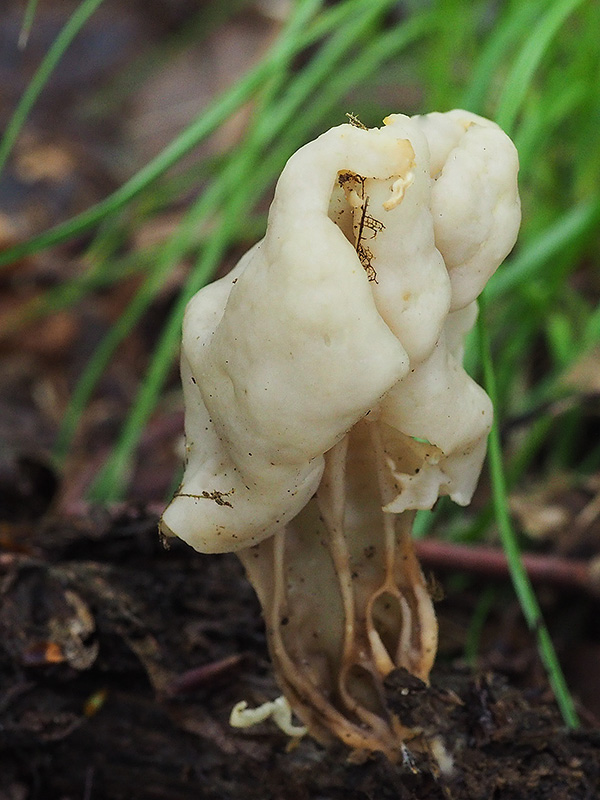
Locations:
(326, 401)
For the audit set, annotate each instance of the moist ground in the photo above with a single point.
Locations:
(120, 661)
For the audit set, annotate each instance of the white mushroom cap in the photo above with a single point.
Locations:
(283, 356)
(475, 198)
(287, 353)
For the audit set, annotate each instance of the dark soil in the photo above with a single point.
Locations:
(120, 662)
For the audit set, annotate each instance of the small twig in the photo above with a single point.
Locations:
(355, 122)
(199, 676)
(491, 562)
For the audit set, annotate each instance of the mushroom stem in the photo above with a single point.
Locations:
(346, 555)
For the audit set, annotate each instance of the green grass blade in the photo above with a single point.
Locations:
(501, 40)
(520, 579)
(477, 624)
(74, 24)
(221, 109)
(27, 25)
(110, 483)
(521, 75)
(195, 133)
(171, 253)
(573, 226)
(592, 329)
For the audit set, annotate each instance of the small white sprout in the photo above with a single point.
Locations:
(442, 757)
(279, 710)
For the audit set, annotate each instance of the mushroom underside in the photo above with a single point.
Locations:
(344, 599)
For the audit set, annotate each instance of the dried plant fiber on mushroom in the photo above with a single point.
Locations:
(326, 401)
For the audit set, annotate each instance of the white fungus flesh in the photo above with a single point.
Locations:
(326, 401)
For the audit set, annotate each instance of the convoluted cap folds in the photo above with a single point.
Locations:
(353, 306)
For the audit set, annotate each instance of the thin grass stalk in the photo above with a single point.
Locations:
(287, 45)
(72, 27)
(27, 25)
(574, 225)
(170, 254)
(528, 60)
(502, 39)
(520, 580)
